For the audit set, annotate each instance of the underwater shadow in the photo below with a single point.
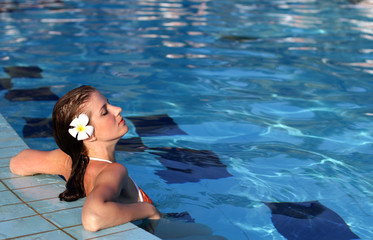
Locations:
(189, 165)
(308, 221)
(155, 125)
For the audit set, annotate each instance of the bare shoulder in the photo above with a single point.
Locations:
(107, 181)
(113, 171)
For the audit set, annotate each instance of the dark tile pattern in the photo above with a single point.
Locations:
(5, 83)
(23, 72)
(155, 125)
(189, 165)
(131, 145)
(308, 221)
(37, 128)
(39, 94)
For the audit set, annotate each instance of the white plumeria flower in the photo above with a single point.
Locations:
(81, 130)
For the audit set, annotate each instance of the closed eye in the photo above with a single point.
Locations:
(104, 110)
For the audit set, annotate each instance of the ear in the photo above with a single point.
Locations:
(91, 139)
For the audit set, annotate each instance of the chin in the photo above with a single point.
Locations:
(125, 130)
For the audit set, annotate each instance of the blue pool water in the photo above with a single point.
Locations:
(253, 118)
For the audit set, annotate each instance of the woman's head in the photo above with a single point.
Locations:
(108, 124)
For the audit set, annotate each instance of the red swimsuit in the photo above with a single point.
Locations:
(145, 198)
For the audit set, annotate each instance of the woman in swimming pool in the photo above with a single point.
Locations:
(86, 127)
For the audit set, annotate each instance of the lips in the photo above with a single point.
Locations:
(122, 121)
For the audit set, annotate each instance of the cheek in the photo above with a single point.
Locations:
(109, 125)
(101, 128)
(105, 127)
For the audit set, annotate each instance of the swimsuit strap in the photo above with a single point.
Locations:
(100, 160)
(138, 190)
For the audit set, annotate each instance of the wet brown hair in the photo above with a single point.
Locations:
(66, 109)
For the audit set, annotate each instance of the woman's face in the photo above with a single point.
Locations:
(106, 119)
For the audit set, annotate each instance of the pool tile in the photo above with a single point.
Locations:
(40, 192)
(2, 187)
(39, 94)
(6, 130)
(155, 125)
(24, 226)
(5, 173)
(12, 142)
(23, 71)
(14, 211)
(7, 135)
(54, 204)
(55, 235)
(32, 181)
(7, 197)
(4, 162)
(10, 152)
(66, 218)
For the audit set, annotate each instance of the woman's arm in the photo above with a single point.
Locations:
(31, 162)
(100, 209)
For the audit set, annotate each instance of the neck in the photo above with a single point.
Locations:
(106, 152)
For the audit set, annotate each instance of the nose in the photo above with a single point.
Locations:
(119, 110)
(116, 110)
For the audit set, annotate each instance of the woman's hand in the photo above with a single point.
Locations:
(156, 216)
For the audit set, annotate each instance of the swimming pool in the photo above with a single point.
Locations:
(240, 111)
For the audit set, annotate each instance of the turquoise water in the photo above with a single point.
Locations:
(280, 92)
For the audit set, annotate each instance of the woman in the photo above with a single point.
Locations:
(86, 127)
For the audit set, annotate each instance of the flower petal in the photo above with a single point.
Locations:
(75, 122)
(89, 130)
(83, 119)
(82, 136)
(73, 132)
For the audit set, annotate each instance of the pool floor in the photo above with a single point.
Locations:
(30, 209)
